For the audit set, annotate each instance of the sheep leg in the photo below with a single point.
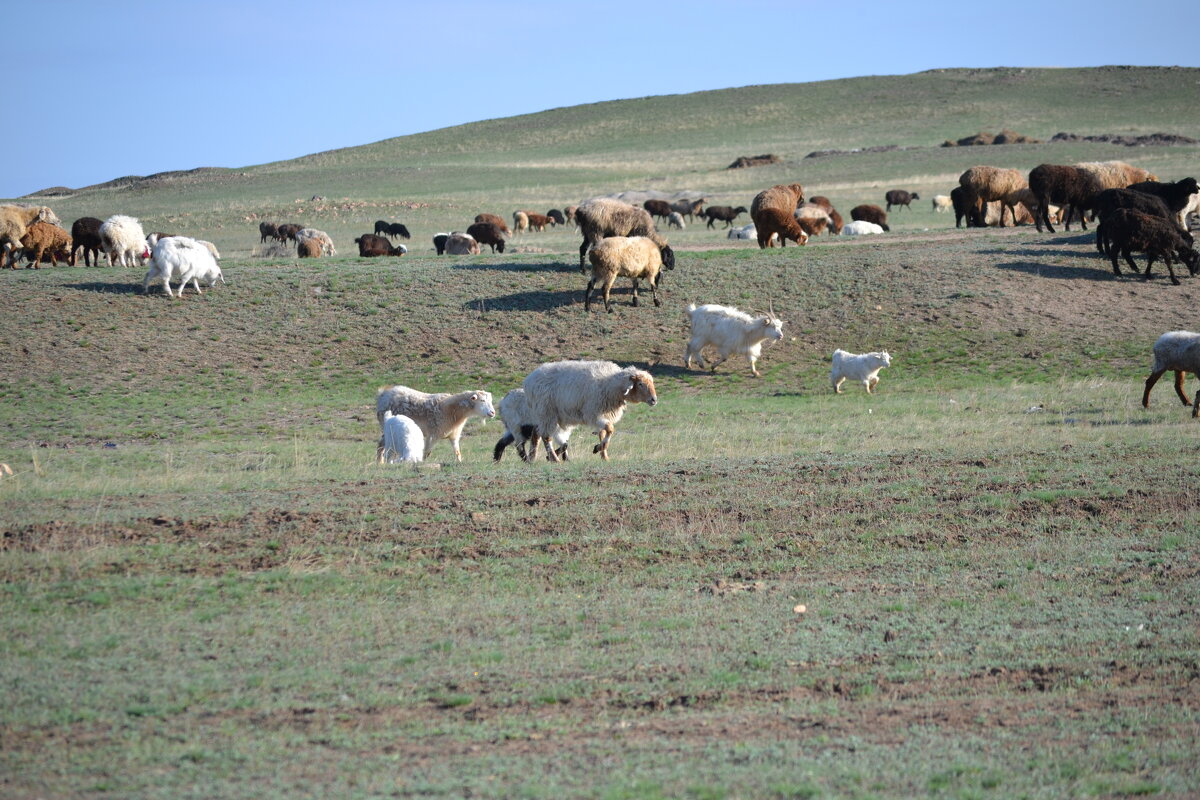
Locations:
(753, 368)
(635, 295)
(1179, 376)
(605, 435)
(1170, 269)
(837, 384)
(1153, 379)
(551, 454)
(583, 248)
(608, 284)
(654, 290)
(587, 296)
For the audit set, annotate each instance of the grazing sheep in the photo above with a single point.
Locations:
(123, 239)
(288, 231)
(371, 245)
(495, 220)
(569, 213)
(462, 244)
(1110, 200)
(381, 227)
(1072, 188)
(397, 229)
(563, 394)
(308, 248)
(860, 227)
(1128, 230)
(984, 184)
(183, 258)
(863, 368)
(403, 441)
(14, 220)
(960, 198)
(900, 198)
(744, 232)
(726, 214)
(1179, 196)
(268, 230)
(1178, 351)
(675, 220)
(539, 222)
(942, 203)
(520, 428)
(327, 248)
(784, 197)
(730, 331)
(555, 215)
(520, 222)
(487, 233)
(439, 242)
(439, 416)
(870, 213)
(658, 208)
(814, 219)
(604, 217)
(636, 257)
(42, 238)
(85, 233)
(770, 222)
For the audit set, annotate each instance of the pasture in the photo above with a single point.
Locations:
(979, 582)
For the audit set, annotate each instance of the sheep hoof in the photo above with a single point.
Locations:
(657, 302)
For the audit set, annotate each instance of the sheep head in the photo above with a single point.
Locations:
(668, 256)
(640, 388)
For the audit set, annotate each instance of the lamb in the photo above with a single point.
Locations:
(308, 248)
(85, 233)
(520, 222)
(563, 394)
(900, 198)
(870, 213)
(675, 220)
(1129, 230)
(520, 428)
(187, 259)
(730, 331)
(744, 232)
(771, 221)
(961, 200)
(42, 238)
(862, 367)
(487, 233)
(1106, 203)
(860, 227)
(14, 220)
(1179, 196)
(726, 214)
(123, 240)
(942, 203)
(371, 245)
(403, 441)
(539, 222)
(658, 208)
(439, 416)
(268, 230)
(327, 248)
(984, 184)
(636, 257)
(495, 220)
(439, 242)
(604, 217)
(462, 244)
(1071, 187)
(1178, 351)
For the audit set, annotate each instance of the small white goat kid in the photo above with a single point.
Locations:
(861, 367)
(403, 441)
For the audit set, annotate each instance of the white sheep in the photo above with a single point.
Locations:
(730, 331)
(403, 441)
(744, 232)
(863, 368)
(860, 227)
(327, 248)
(15, 221)
(183, 258)
(563, 394)
(942, 203)
(520, 428)
(122, 238)
(439, 416)
(636, 257)
(1178, 351)
(675, 220)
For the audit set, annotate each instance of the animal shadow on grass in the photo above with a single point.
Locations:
(108, 287)
(1058, 272)
(661, 369)
(480, 262)
(526, 301)
(1047, 252)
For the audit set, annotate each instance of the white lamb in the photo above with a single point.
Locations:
(123, 240)
(860, 227)
(863, 368)
(403, 442)
(185, 259)
(744, 232)
(520, 428)
(440, 416)
(730, 331)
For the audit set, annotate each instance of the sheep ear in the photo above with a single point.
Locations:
(632, 383)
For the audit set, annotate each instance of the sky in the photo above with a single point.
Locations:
(144, 87)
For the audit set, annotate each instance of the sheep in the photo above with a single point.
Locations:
(439, 416)
(42, 238)
(370, 245)
(308, 248)
(555, 215)
(212, 248)
(744, 232)
(984, 184)
(900, 198)
(569, 213)
(439, 242)
(784, 197)
(636, 257)
(14, 220)
(675, 220)
(403, 441)
(835, 219)
(860, 227)
(774, 221)
(870, 213)
(85, 234)
(1115, 174)
(1129, 230)
(604, 217)
(1108, 201)
(814, 219)
(1179, 196)
(942, 203)
(960, 198)
(288, 230)
(487, 233)
(462, 244)
(1071, 187)
(730, 331)
(726, 214)
(813, 226)
(327, 248)
(862, 367)
(539, 222)
(520, 222)
(123, 240)
(520, 428)
(187, 259)
(268, 230)
(495, 220)
(658, 208)
(563, 394)
(1178, 351)
(689, 208)
(381, 227)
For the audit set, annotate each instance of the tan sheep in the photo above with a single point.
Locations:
(15, 220)
(636, 257)
(1116, 174)
(42, 238)
(986, 184)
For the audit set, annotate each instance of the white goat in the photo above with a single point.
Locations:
(1178, 351)
(730, 331)
(520, 428)
(563, 394)
(439, 416)
(863, 368)
(403, 442)
(183, 258)
(123, 240)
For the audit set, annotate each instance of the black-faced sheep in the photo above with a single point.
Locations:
(900, 198)
(42, 238)
(1070, 187)
(439, 416)
(604, 217)
(123, 239)
(85, 233)
(658, 208)
(487, 233)
(1129, 231)
(371, 245)
(726, 214)
(770, 222)
(1178, 196)
(564, 394)
(729, 331)
(520, 427)
(1178, 351)
(985, 184)
(14, 220)
(636, 257)
(495, 220)
(870, 213)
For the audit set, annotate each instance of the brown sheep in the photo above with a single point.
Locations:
(603, 217)
(371, 244)
(869, 213)
(42, 238)
(85, 234)
(900, 198)
(772, 221)
(658, 208)
(267, 230)
(309, 248)
(1115, 174)
(14, 220)
(1071, 187)
(539, 222)
(814, 226)
(726, 214)
(495, 220)
(488, 233)
(984, 184)
(786, 198)
(772, 211)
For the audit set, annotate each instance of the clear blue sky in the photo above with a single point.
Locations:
(98, 90)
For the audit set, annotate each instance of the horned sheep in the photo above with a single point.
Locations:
(861, 367)
(729, 331)
(123, 239)
(520, 428)
(439, 416)
(183, 258)
(15, 220)
(604, 217)
(636, 257)
(1178, 351)
(403, 441)
(563, 394)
